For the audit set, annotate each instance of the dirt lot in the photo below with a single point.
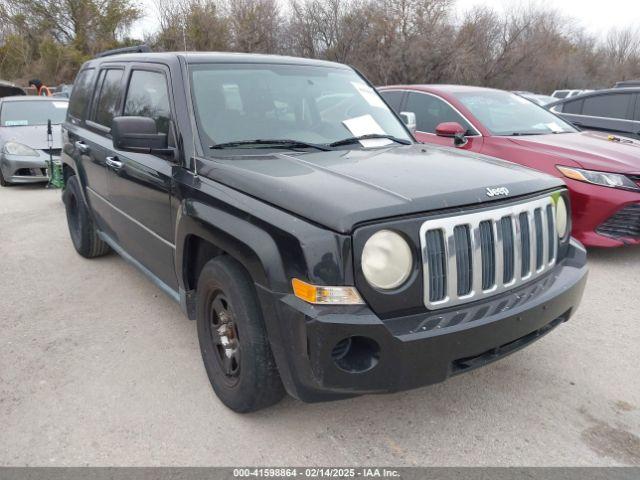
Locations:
(98, 367)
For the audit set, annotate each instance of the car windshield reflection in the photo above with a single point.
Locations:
(504, 113)
(304, 105)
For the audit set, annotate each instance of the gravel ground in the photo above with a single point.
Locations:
(98, 367)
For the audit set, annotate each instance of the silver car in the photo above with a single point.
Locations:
(24, 146)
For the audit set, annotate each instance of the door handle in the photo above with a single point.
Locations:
(114, 163)
(83, 147)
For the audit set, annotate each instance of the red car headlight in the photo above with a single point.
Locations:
(605, 179)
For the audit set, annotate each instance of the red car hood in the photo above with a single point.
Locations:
(592, 150)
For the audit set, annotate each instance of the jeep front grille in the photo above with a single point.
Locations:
(472, 256)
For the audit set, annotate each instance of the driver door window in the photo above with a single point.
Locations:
(148, 96)
(614, 105)
(431, 111)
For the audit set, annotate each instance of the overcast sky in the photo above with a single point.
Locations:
(596, 16)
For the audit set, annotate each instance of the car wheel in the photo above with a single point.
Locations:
(3, 182)
(81, 227)
(233, 339)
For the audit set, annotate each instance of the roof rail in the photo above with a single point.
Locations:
(117, 51)
(627, 83)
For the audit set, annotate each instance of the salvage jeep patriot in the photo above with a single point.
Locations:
(289, 211)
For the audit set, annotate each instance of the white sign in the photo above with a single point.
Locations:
(367, 125)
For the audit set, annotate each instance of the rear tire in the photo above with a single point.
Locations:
(233, 339)
(81, 227)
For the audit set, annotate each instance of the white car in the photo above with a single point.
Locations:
(568, 93)
(24, 147)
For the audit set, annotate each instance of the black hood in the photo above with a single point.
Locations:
(340, 189)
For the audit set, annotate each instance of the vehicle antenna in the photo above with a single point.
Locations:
(50, 147)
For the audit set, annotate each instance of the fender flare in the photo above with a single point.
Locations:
(69, 162)
(246, 242)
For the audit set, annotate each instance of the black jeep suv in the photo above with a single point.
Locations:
(321, 250)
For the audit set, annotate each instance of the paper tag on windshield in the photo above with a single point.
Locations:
(60, 104)
(369, 95)
(367, 125)
(16, 123)
(554, 127)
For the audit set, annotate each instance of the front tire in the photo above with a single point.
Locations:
(3, 182)
(84, 234)
(233, 339)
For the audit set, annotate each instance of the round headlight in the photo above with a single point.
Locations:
(562, 217)
(386, 260)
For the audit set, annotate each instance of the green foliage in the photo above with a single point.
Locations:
(50, 39)
(15, 53)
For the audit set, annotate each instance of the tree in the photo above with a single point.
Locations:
(191, 25)
(528, 47)
(254, 25)
(87, 25)
(621, 52)
(50, 39)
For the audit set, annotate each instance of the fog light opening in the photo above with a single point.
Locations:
(356, 354)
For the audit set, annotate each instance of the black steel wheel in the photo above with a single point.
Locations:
(224, 336)
(233, 339)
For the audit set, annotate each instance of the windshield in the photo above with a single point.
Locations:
(504, 113)
(27, 113)
(314, 105)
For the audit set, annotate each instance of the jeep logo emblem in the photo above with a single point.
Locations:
(496, 192)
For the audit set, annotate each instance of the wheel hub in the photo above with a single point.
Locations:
(225, 337)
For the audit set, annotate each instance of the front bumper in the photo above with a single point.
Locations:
(26, 169)
(416, 350)
(592, 207)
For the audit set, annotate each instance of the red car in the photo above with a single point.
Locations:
(601, 171)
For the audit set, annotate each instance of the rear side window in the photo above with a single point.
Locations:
(431, 111)
(613, 105)
(81, 93)
(394, 99)
(148, 96)
(108, 94)
(574, 107)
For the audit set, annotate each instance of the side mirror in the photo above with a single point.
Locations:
(409, 119)
(138, 134)
(449, 129)
(455, 130)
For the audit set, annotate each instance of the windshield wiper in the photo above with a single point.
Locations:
(524, 134)
(265, 143)
(350, 140)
